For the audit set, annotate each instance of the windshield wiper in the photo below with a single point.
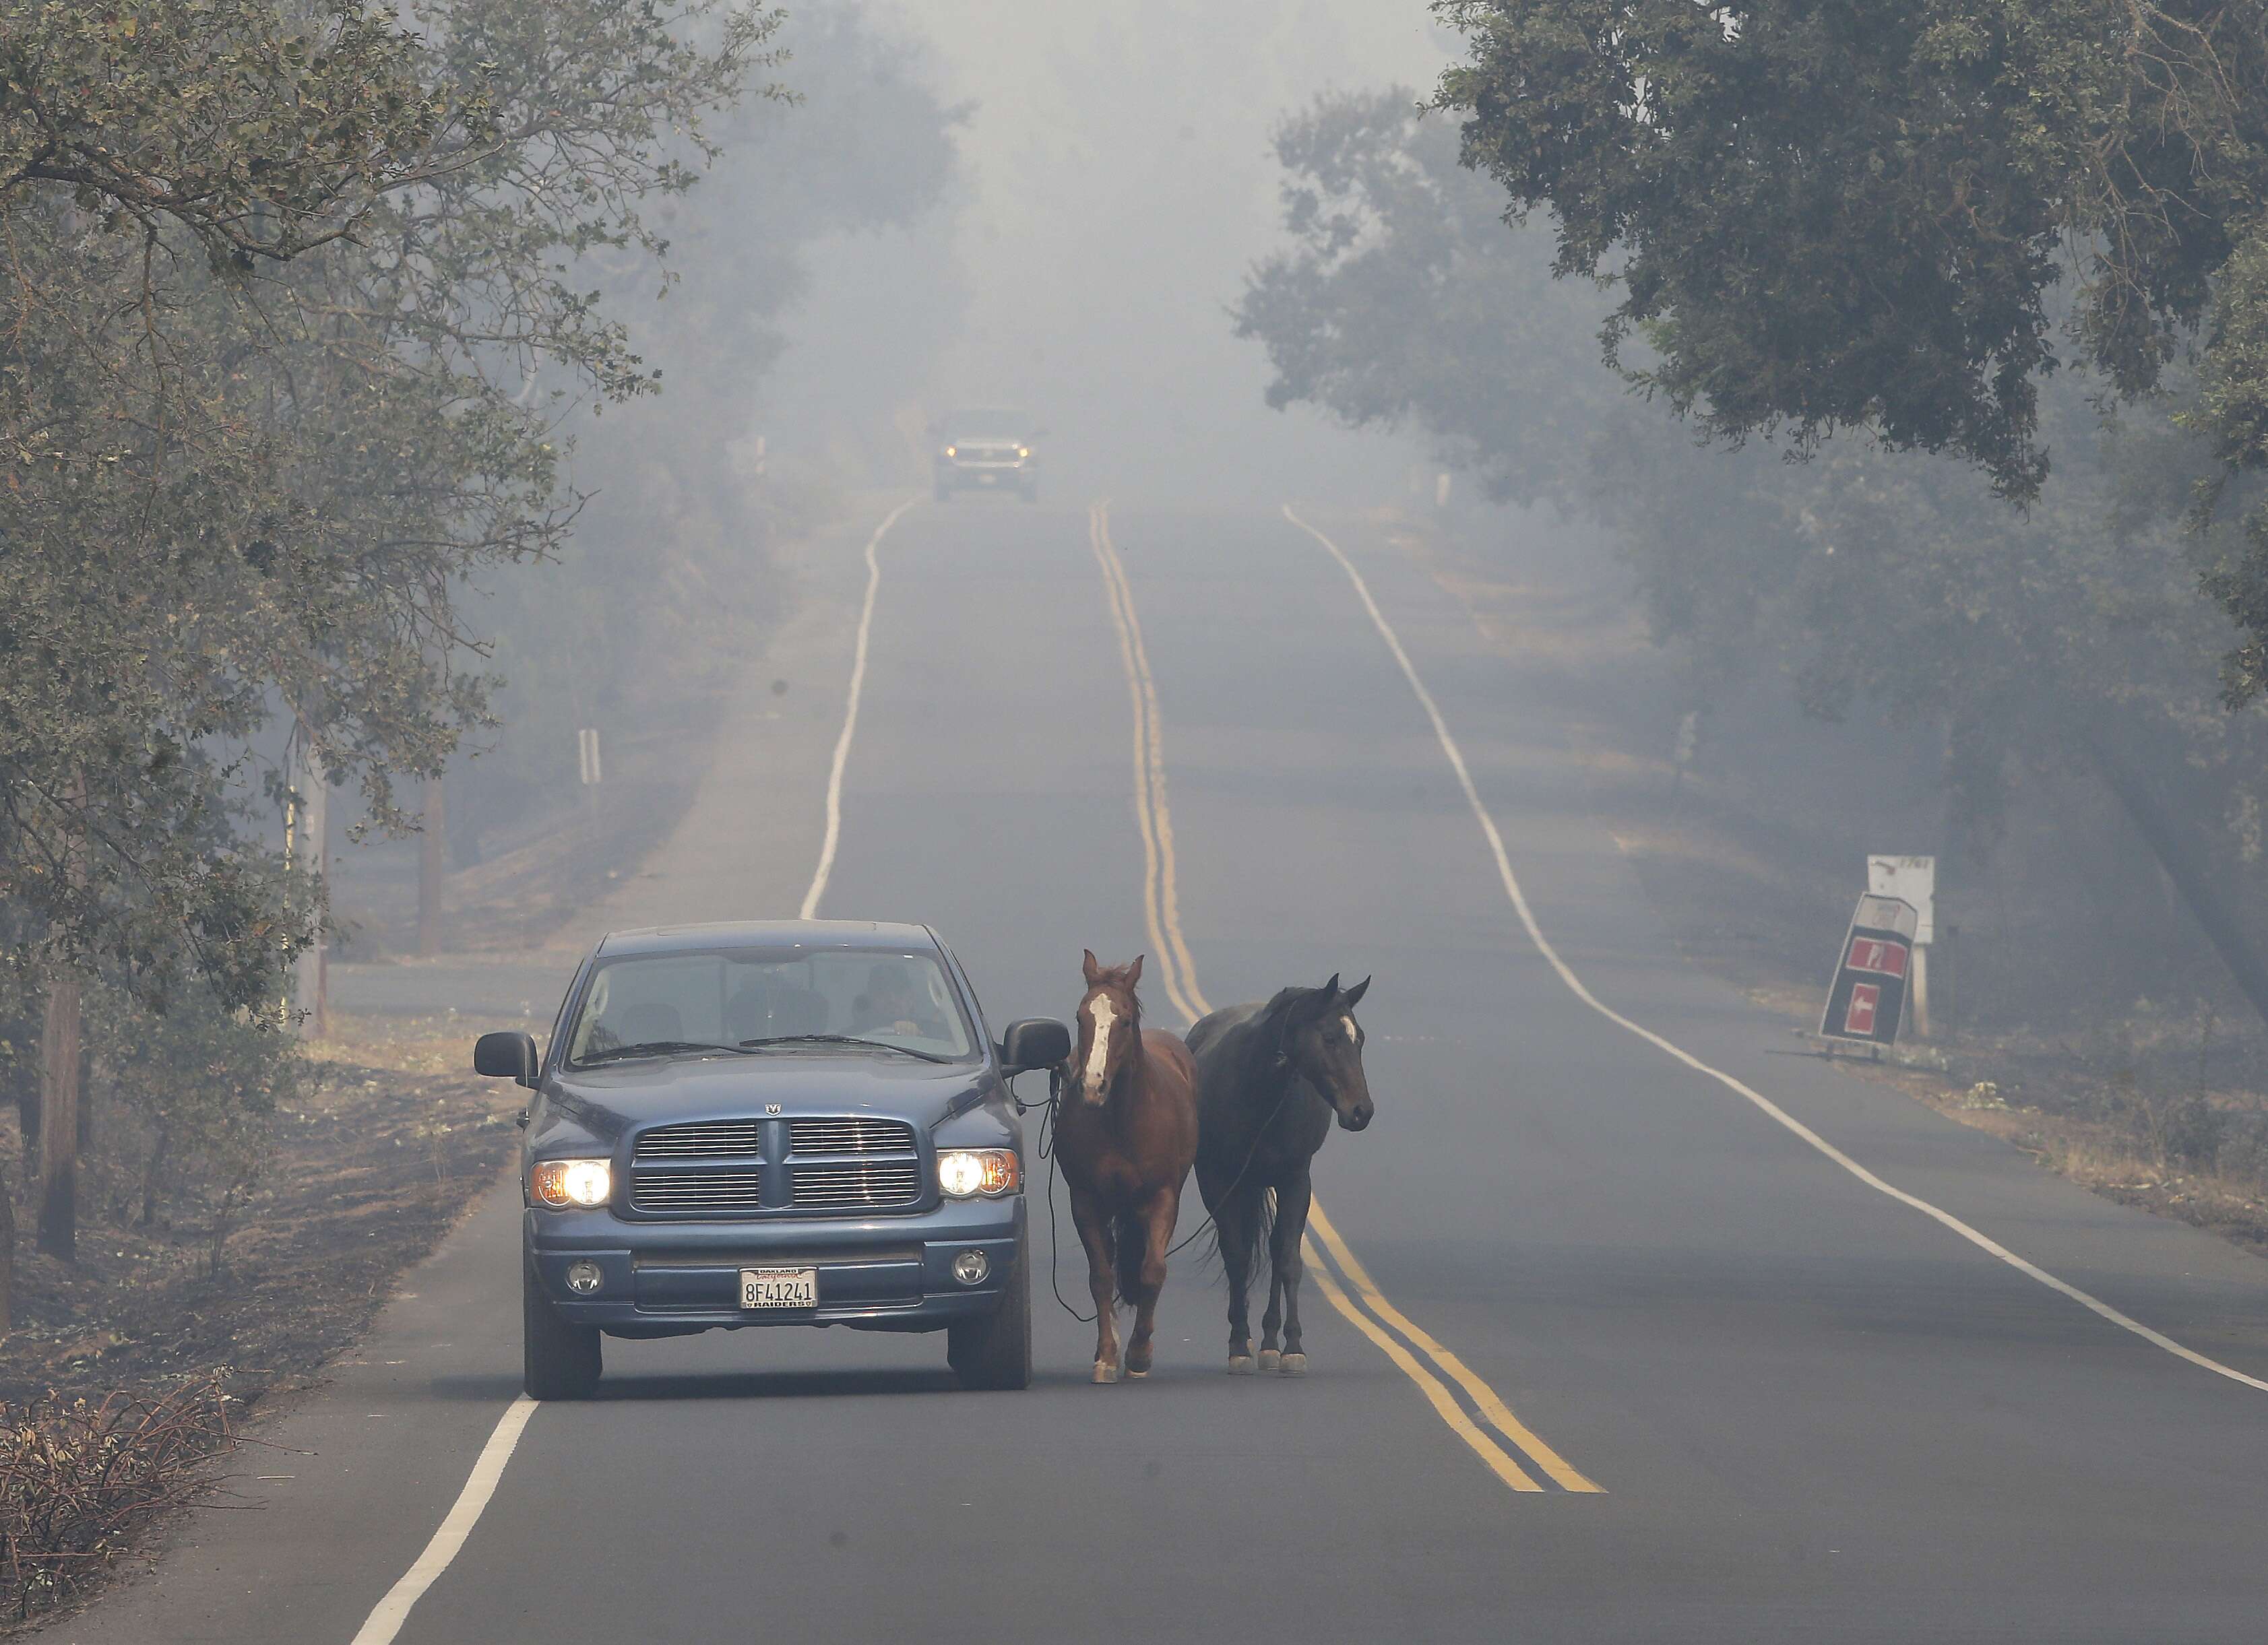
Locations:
(842, 1039)
(652, 1048)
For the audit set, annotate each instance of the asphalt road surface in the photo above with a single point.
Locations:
(1636, 1361)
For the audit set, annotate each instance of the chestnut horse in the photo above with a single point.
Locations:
(1126, 1134)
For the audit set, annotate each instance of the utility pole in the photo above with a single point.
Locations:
(432, 867)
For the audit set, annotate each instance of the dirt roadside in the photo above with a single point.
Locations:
(2155, 1105)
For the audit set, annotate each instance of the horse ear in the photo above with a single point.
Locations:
(1134, 970)
(1088, 965)
(1354, 994)
(1329, 990)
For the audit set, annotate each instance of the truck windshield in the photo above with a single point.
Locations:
(793, 999)
(986, 425)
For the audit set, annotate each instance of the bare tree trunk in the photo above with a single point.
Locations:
(59, 1076)
(7, 1256)
(431, 867)
(2186, 863)
(159, 1146)
(306, 847)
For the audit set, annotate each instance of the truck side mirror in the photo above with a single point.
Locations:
(1034, 1042)
(508, 1055)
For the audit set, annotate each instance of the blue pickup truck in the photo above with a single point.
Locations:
(788, 1123)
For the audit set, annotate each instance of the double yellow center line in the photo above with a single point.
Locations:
(1472, 1409)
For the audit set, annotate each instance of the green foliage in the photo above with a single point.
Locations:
(1827, 216)
(1864, 575)
(261, 129)
(203, 1084)
(276, 290)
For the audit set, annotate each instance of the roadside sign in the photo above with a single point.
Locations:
(1911, 880)
(1868, 995)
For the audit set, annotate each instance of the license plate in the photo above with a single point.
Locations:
(779, 1287)
(987, 479)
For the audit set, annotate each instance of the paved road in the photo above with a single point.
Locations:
(1813, 1412)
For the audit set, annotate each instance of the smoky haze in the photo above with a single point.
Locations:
(1118, 180)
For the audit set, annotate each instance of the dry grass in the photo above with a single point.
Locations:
(369, 1171)
(80, 1481)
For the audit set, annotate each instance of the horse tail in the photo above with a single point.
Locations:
(1263, 1229)
(1129, 1238)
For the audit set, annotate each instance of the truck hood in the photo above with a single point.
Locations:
(607, 1102)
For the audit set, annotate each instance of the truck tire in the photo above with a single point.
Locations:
(558, 1361)
(995, 1353)
(943, 492)
(1031, 494)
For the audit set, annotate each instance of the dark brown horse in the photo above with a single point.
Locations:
(1274, 1075)
(1126, 1132)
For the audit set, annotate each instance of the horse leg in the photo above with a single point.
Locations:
(1271, 1356)
(1158, 1218)
(1290, 1227)
(1233, 1234)
(1093, 1225)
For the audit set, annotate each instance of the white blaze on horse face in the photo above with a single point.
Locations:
(1347, 1023)
(1098, 1054)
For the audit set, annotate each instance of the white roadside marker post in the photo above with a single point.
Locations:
(1911, 880)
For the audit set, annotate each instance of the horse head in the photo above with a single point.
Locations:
(1109, 1026)
(1319, 1036)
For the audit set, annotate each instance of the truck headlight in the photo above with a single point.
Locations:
(560, 1183)
(990, 1172)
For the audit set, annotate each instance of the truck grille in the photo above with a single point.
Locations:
(853, 1135)
(706, 1139)
(718, 1167)
(730, 1191)
(855, 1185)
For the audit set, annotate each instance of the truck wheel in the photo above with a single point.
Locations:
(943, 492)
(1031, 494)
(995, 1352)
(558, 1361)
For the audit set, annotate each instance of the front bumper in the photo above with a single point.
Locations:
(968, 477)
(879, 1274)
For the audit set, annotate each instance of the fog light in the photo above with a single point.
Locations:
(970, 1267)
(583, 1278)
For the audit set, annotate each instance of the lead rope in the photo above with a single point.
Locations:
(1047, 1106)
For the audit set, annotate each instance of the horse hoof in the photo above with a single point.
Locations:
(1136, 1376)
(1105, 1372)
(1294, 1365)
(1270, 1360)
(1240, 1365)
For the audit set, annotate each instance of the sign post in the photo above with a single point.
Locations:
(1868, 993)
(1912, 880)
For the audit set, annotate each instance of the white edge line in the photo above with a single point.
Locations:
(393, 1611)
(1983, 1242)
(810, 910)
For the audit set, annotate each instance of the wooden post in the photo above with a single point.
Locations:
(308, 836)
(59, 1075)
(1921, 1007)
(433, 866)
